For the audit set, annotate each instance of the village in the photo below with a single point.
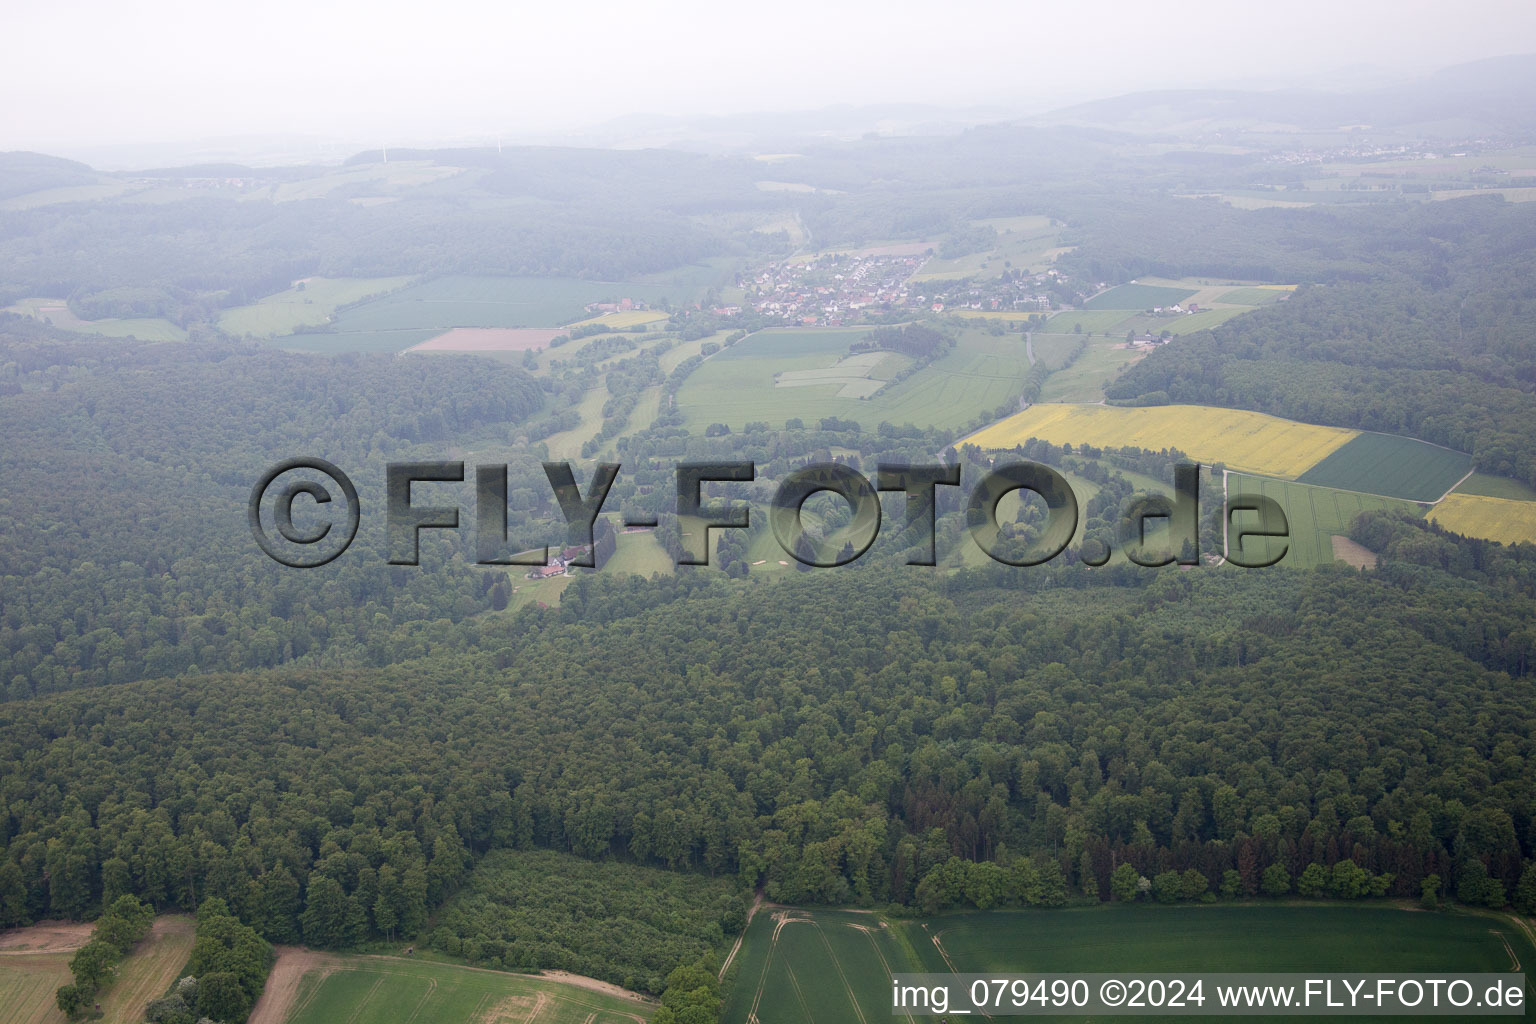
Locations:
(833, 289)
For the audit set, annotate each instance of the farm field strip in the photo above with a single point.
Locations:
(1391, 465)
(1476, 515)
(34, 963)
(394, 990)
(1315, 515)
(1138, 296)
(310, 302)
(489, 339)
(58, 313)
(810, 967)
(1242, 440)
(740, 384)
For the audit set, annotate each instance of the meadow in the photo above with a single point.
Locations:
(395, 990)
(1083, 381)
(1026, 243)
(1389, 464)
(1090, 320)
(621, 321)
(1180, 325)
(1496, 487)
(741, 384)
(811, 967)
(411, 315)
(57, 313)
(1242, 440)
(1314, 515)
(1139, 296)
(310, 302)
(1476, 515)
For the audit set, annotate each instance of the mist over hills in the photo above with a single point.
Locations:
(1492, 95)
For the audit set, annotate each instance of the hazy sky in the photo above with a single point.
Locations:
(85, 72)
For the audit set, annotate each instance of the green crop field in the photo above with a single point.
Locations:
(1492, 486)
(1138, 296)
(397, 321)
(817, 967)
(1315, 515)
(392, 990)
(1398, 467)
(1201, 321)
(805, 967)
(739, 385)
(1243, 937)
(310, 302)
(1094, 321)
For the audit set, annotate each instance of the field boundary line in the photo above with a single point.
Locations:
(842, 976)
(1453, 487)
(751, 912)
(363, 1002)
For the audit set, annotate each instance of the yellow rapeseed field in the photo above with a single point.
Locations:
(1475, 515)
(1249, 441)
(619, 321)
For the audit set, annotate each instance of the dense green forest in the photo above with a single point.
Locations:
(370, 753)
(124, 463)
(1197, 720)
(1433, 340)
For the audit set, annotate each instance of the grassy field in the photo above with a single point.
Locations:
(1027, 243)
(567, 443)
(817, 967)
(1054, 350)
(65, 194)
(1257, 295)
(1094, 321)
(1243, 440)
(57, 313)
(641, 554)
(1496, 487)
(1201, 321)
(1139, 296)
(743, 383)
(1476, 515)
(1315, 516)
(383, 177)
(1083, 381)
(1399, 467)
(310, 302)
(390, 990)
(28, 980)
(404, 318)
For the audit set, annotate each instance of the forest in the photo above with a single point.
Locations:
(1432, 341)
(368, 754)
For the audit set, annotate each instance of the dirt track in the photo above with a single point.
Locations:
(282, 988)
(45, 937)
